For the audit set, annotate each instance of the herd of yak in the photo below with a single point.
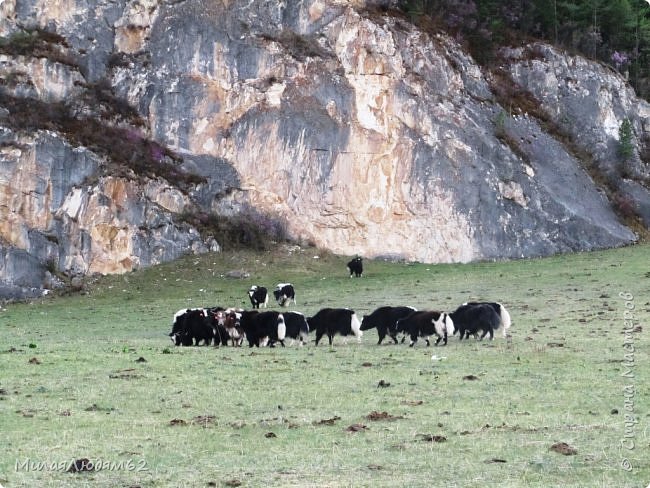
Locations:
(230, 326)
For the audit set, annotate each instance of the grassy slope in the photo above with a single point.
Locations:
(557, 380)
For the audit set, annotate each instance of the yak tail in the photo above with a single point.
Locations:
(505, 319)
(355, 325)
(282, 328)
(449, 325)
(304, 337)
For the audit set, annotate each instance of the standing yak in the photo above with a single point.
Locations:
(425, 324)
(192, 326)
(385, 320)
(258, 296)
(333, 321)
(355, 267)
(501, 311)
(470, 319)
(284, 294)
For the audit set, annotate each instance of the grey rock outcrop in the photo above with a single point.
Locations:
(362, 133)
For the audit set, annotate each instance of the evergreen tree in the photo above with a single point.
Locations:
(625, 140)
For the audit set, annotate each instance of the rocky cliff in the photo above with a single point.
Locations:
(339, 117)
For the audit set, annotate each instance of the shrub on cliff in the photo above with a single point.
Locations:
(249, 229)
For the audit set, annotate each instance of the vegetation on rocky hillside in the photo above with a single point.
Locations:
(615, 32)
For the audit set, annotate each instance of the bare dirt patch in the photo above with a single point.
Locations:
(564, 448)
(432, 438)
(412, 403)
(125, 374)
(204, 420)
(329, 421)
(375, 416)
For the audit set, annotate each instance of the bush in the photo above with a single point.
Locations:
(38, 43)
(624, 205)
(625, 140)
(299, 46)
(250, 229)
(125, 148)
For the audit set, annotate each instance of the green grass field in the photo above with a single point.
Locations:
(486, 414)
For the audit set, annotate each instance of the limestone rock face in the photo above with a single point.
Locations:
(588, 102)
(52, 211)
(363, 133)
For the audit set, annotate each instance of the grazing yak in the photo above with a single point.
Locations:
(355, 267)
(297, 326)
(263, 328)
(284, 294)
(425, 324)
(230, 320)
(221, 335)
(385, 320)
(470, 319)
(332, 321)
(191, 326)
(503, 313)
(258, 296)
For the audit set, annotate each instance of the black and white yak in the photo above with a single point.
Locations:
(258, 296)
(284, 294)
(297, 326)
(333, 321)
(385, 320)
(355, 267)
(425, 324)
(472, 318)
(503, 313)
(263, 328)
(192, 326)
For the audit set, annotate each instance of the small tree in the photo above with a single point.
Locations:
(625, 140)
